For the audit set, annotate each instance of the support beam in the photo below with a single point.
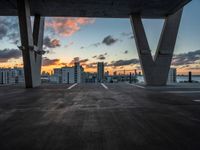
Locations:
(156, 69)
(29, 40)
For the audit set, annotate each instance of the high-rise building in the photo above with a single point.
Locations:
(78, 72)
(100, 72)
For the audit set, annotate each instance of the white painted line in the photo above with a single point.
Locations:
(181, 92)
(139, 86)
(69, 88)
(104, 86)
(197, 100)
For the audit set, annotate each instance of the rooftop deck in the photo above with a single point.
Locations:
(91, 117)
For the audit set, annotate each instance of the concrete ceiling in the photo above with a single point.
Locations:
(96, 8)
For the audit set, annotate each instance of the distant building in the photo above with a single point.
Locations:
(68, 74)
(109, 79)
(19, 75)
(135, 72)
(45, 77)
(57, 76)
(78, 72)
(100, 71)
(107, 73)
(172, 75)
(90, 77)
(11, 75)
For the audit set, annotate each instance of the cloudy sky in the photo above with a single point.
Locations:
(90, 40)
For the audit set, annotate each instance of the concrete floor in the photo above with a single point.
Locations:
(90, 117)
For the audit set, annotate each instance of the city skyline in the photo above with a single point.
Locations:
(78, 39)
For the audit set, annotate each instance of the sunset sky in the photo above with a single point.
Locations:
(90, 40)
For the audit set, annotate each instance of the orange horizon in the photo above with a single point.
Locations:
(127, 69)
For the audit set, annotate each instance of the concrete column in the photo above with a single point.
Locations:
(32, 43)
(156, 69)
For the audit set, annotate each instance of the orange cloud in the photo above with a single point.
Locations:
(67, 26)
(50, 62)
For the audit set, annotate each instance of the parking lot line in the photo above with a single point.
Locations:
(104, 86)
(181, 92)
(69, 88)
(139, 86)
(197, 100)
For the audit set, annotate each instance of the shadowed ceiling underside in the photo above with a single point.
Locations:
(96, 8)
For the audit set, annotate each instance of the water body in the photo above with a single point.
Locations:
(178, 78)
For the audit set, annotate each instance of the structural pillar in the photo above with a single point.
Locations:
(32, 42)
(156, 69)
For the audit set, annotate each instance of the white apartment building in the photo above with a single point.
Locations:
(57, 76)
(68, 74)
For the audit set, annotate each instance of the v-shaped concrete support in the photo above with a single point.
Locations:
(156, 69)
(32, 43)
